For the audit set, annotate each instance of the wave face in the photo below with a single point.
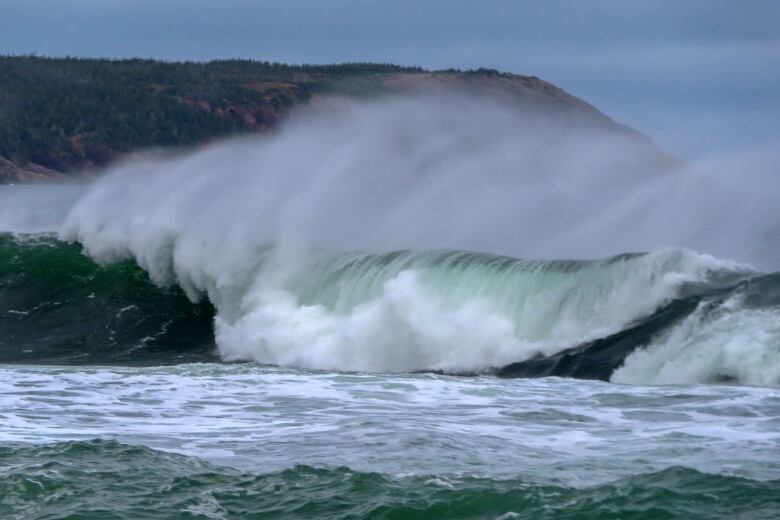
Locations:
(58, 307)
(447, 310)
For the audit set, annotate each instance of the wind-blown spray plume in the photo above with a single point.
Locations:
(340, 242)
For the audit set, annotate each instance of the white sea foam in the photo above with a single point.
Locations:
(731, 343)
(266, 419)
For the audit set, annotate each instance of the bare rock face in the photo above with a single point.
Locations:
(11, 173)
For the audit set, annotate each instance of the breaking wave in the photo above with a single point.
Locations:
(671, 316)
(344, 242)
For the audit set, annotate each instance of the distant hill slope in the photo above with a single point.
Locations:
(63, 116)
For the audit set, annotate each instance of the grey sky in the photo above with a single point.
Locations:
(699, 76)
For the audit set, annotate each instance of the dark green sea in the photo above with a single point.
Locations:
(106, 480)
(165, 354)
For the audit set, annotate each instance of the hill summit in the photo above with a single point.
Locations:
(67, 117)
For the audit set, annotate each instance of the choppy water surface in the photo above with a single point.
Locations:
(248, 438)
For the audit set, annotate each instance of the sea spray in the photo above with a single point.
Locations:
(291, 236)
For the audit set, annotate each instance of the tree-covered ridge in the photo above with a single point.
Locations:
(64, 115)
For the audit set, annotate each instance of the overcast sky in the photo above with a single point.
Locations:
(699, 76)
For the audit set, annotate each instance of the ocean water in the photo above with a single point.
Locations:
(117, 401)
(234, 441)
(346, 321)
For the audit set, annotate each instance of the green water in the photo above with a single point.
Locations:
(108, 480)
(246, 441)
(115, 402)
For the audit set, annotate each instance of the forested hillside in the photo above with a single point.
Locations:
(64, 116)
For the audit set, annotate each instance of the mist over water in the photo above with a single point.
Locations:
(288, 235)
(447, 172)
(36, 209)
